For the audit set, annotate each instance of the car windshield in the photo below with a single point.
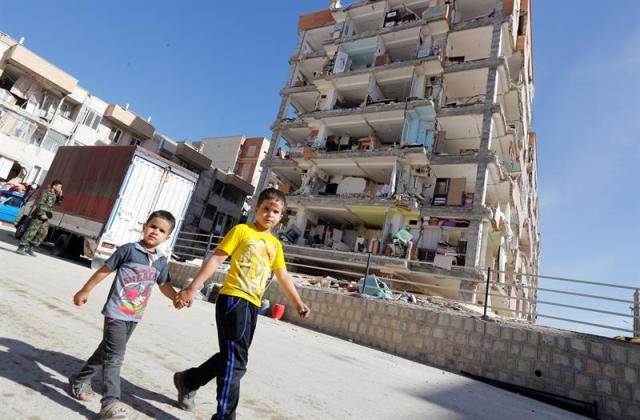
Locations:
(10, 200)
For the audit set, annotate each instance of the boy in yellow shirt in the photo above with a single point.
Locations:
(255, 253)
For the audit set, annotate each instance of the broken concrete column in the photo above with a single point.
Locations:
(392, 223)
(301, 223)
(475, 236)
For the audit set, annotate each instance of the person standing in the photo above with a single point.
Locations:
(255, 253)
(39, 224)
(138, 266)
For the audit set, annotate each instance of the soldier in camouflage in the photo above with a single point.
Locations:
(39, 224)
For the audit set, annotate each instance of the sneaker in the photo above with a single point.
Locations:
(114, 410)
(81, 391)
(186, 398)
(29, 250)
(22, 250)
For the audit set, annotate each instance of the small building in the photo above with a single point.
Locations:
(237, 154)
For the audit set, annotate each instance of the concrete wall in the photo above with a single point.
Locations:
(223, 151)
(580, 366)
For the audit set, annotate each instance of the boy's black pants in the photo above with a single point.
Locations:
(236, 321)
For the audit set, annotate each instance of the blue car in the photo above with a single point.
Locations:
(10, 203)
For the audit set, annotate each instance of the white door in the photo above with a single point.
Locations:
(174, 196)
(137, 196)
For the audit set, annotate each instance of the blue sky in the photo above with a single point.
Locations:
(207, 70)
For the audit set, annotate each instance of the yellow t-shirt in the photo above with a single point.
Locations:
(254, 255)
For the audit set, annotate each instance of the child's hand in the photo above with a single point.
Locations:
(80, 298)
(179, 303)
(304, 311)
(184, 298)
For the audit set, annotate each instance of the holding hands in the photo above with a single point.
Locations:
(183, 298)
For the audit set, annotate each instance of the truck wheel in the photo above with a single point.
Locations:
(75, 247)
(21, 228)
(60, 247)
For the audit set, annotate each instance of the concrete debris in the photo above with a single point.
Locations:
(325, 282)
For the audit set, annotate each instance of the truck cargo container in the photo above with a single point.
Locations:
(109, 191)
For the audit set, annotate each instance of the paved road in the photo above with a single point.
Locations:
(293, 373)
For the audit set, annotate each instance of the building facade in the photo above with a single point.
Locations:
(404, 130)
(237, 154)
(42, 107)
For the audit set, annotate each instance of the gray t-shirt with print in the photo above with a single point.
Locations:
(137, 270)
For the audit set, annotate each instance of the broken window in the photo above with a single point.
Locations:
(49, 106)
(37, 137)
(251, 150)
(91, 119)
(115, 135)
(450, 192)
(68, 110)
(218, 188)
(53, 141)
(23, 129)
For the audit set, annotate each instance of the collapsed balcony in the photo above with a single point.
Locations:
(461, 129)
(391, 231)
(33, 97)
(473, 44)
(312, 43)
(363, 19)
(379, 129)
(408, 46)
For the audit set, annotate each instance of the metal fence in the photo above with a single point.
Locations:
(190, 245)
(599, 308)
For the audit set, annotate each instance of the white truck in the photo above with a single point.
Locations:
(109, 191)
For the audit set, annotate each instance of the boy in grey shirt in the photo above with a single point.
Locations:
(139, 266)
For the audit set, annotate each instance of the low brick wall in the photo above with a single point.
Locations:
(182, 273)
(580, 366)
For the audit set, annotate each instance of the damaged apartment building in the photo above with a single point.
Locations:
(404, 131)
(43, 108)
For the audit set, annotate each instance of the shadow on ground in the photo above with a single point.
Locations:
(31, 367)
(9, 244)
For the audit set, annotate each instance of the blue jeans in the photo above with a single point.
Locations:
(109, 355)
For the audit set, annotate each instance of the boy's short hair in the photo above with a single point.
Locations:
(163, 214)
(56, 182)
(272, 194)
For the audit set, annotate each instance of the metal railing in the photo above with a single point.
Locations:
(599, 308)
(190, 245)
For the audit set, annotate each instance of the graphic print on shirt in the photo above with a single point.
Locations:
(255, 262)
(135, 289)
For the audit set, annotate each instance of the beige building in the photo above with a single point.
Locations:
(237, 154)
(407, 133)
(42, 107)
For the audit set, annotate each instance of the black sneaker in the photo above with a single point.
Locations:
(22, 250)
(29, 250)
(186, 398)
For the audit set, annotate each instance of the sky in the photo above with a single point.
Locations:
(205, 70)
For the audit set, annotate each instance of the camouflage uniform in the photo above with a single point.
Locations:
(38, 228)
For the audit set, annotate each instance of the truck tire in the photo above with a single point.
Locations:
(60, 246)
(21, 228)
(75, 247)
